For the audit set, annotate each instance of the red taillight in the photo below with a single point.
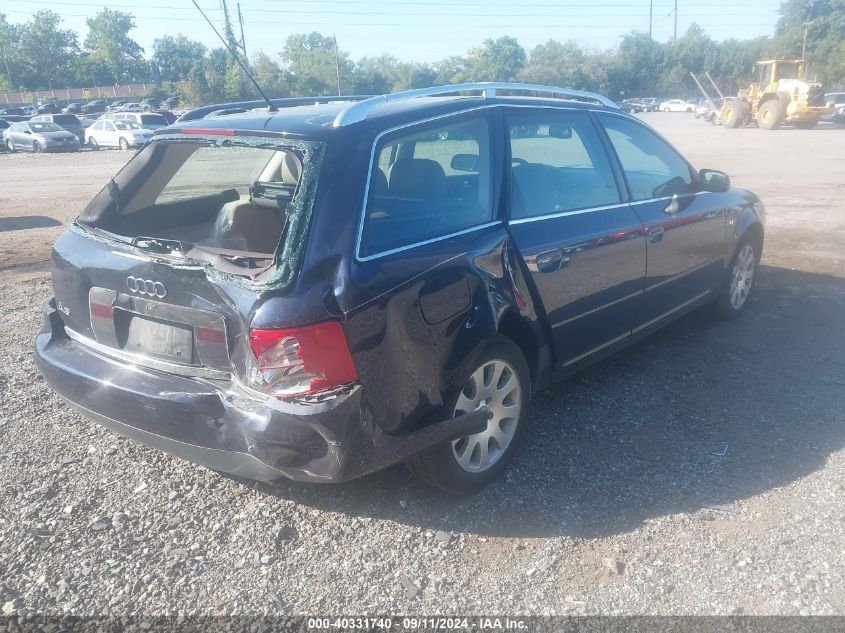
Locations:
(302, 361)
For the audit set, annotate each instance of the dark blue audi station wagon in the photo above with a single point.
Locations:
(322, 289)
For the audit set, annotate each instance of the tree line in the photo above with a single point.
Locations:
(40, 54)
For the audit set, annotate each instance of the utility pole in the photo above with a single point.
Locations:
(804, 44)
(8, 72)
(650, 17)
(337, 64)
(676, 19)
(241, 22)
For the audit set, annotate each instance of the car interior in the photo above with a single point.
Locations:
(430, 183)
(176, 195)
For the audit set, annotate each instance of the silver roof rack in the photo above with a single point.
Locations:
(359, 110)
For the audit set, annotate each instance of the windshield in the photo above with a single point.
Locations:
(787, 71)
(127, 125)
(44, 126)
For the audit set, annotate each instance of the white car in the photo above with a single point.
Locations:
(122, 134)
(677, 105)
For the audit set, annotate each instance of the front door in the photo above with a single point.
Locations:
(583, 245)
(685, 227)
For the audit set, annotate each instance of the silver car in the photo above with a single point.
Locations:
(122, 134)
(69, 122)
(39, 136)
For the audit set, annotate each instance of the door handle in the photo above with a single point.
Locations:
(673, 207)
(549, 261)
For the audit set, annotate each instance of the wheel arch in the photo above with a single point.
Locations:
(514, 327)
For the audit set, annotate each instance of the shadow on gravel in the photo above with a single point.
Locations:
(21, 223)
(641, 435)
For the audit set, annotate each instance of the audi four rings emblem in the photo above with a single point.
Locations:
(146, 287)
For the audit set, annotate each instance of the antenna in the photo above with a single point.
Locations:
(270, 106)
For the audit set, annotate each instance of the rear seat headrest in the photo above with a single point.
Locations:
(290, 169)
(420, 178)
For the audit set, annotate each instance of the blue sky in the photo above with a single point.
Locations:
(424, 30)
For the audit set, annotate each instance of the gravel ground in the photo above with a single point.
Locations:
(699, 472)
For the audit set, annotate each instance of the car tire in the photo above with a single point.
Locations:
(36, 147)
(739, 280)
(770, 115)
(453, 467)
(666, 110)
(10, 146)
(92, 143)
(124, 144)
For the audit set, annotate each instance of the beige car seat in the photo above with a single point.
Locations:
(256, 225)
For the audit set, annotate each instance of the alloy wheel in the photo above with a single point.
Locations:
(742, 276)
(494, 385)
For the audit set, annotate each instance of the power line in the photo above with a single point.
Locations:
(573, 24)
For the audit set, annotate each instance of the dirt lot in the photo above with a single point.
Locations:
(700, 471)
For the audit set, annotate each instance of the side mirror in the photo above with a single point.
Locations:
(465, 162)
(713, 180)
(27, 132)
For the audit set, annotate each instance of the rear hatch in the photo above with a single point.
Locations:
(165, 267)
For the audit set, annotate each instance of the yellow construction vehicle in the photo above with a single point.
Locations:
(780, 95)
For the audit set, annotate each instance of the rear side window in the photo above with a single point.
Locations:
(558, 164)
(431, 182)
(652, 168)
(155, 120)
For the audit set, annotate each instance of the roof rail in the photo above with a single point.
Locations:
(284, 102)
(358, 111)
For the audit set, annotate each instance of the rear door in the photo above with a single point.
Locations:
(430, 220)
(580, 240)
(686, 228)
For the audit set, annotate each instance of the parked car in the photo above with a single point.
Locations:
(677, 105)
(48, 107)
(122, 134)
(4, 125)
(146, 120)
(838, 101)
(172, 102)
(148, 105)
(129, 107)
(39, 136)
(87, 122)
(325, 290)
(650, 104)
(72, 108)
(28, 110)
(18, 112)
(707, 110)
(92, 107)
(67, 122)
(632, 105)
(114, 106)
(169, 116)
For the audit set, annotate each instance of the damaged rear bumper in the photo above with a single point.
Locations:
(221, 426)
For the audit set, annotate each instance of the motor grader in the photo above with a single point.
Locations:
(780, 95)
